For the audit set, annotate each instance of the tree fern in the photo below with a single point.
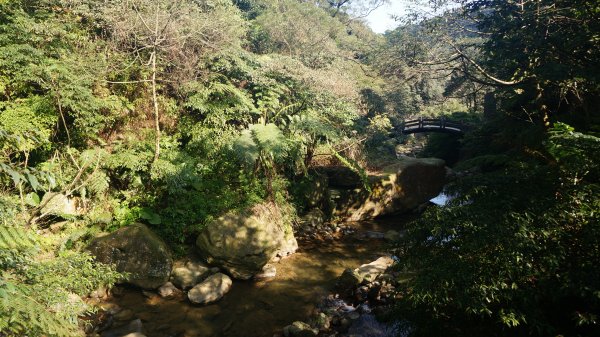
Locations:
(262, 146)
(261, 142)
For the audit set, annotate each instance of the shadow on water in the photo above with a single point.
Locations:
(257, 309)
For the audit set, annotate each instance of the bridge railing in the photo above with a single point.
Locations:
(433, 124)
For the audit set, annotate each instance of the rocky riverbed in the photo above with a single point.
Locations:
(291, 289)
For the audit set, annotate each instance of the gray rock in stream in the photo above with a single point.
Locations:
(370, 271)
(299, 329)
(351, 278)
(138, 251)
(189, 275)
(168, 290)
(269, 271)
(242, 242)
(210, 290)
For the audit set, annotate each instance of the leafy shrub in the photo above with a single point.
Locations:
(39, 296)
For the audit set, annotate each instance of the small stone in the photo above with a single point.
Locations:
(99, 293)
(168, 290)
(134, 326)
(269, 271)
(322, 322)
(110, 308)
(299, 329)
(349, 279)
(117, 291)
(189, 275)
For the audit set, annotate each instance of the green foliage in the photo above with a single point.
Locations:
(39, 296)
(261, 142)
(515, 250)
(20, 313)
(16, 238)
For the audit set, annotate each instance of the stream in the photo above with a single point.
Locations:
(260, 309)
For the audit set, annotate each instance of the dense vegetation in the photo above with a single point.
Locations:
(513, 254)
(174, 112)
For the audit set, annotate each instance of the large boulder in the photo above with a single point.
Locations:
(243, 242)
(399, 188)
(137, 251)
(60, 205)
(287, 244)
(210, 290)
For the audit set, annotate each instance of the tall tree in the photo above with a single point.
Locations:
(168, 38)
(542, 50)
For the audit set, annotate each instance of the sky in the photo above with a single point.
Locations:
(380, 19)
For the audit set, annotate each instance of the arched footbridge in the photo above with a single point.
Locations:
(433, 125)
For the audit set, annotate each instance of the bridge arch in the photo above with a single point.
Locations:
(442, 125)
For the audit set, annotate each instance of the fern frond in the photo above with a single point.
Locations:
(16, 238)
(21, 314)
(269, 139)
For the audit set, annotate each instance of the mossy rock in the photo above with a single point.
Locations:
(243, 242)
(137, 251)
(399, 188)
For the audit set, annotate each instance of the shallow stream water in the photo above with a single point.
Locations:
(260, 309)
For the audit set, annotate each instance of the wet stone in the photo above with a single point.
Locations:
(210, 290)
(299, 329)
(269, 271)
(189, 275)
(168, 290)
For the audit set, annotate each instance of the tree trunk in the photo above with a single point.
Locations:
(155, 101)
